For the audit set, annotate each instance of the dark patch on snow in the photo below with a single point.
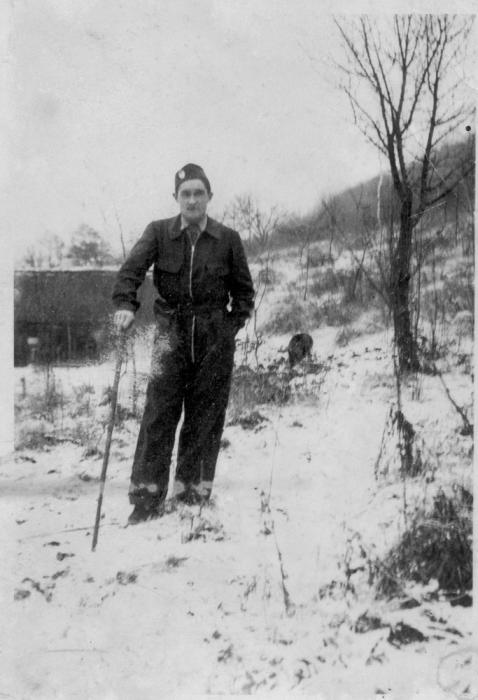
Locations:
(20, 594)
(173, 562)
(464, 600)
(250, 421)
(405, 634)
(367, 622)
(125, 577)
(63, 555)
(409, 603)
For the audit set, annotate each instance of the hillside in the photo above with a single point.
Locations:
(320, 567)
(360, 206)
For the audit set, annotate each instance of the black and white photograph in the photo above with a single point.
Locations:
(237, 341)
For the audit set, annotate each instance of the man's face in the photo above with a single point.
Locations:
(193, 199)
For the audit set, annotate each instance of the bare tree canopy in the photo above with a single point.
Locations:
(404, 78)
(48, 254)
(254, 224)
(89, 248)
(411, 68)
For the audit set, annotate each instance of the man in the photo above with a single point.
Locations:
(205, 296)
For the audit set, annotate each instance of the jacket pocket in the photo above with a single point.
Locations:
(169, 264)
(167, 275)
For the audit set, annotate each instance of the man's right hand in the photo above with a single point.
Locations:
(123, 319)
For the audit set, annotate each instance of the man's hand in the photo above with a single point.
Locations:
(123, 319)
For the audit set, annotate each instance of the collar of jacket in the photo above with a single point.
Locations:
(212, 227)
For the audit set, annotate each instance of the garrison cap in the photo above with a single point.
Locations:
(191, 172)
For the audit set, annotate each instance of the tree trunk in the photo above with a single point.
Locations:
(400, 297)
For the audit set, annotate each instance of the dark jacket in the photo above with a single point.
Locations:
(220, 274)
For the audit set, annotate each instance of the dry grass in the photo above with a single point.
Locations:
(277, 384)
(292, 315)
(345, 335)
(33, 434)
(251, 388)
(437, 544)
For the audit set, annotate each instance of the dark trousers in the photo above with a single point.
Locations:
(191, 369)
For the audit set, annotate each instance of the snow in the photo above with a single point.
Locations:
(243, 596)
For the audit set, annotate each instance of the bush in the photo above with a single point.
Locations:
(353, 285)
(83, 390)
(33, 434)
(44, 405)
(277, 384)
(458, 291)
(345, 335)
(318, 258)
(328, 281)
(251, 388)
(335, 313)
(268, 277)
(293, 315)
(453, 294)
(82, 401)
(437, 545)
(87, 432)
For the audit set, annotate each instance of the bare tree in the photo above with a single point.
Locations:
(47, 254)
(32, 259)
(254, 224)
(402, 77)
(373, 269)
(89, 248)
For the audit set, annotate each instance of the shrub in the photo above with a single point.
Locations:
(436, 545)
(33, 434)
(44, 405)
(82, 400)
(330, 280)
(254, 387)
(88, 433)
(319, 258)
(401, 449)
(277, 384)
(83, 390)
(334, 312)
(269, 277)
(293, 315)
(345, 335)
(449, 296)
(458, 291)
(352, 283)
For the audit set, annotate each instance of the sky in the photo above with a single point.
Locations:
(109, 99)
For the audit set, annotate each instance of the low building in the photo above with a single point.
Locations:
(65, 315)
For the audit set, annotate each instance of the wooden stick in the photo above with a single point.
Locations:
(114, 399)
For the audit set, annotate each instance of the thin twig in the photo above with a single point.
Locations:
(468, 427)
(288, 604)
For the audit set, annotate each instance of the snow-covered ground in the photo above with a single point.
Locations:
(262, 592)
